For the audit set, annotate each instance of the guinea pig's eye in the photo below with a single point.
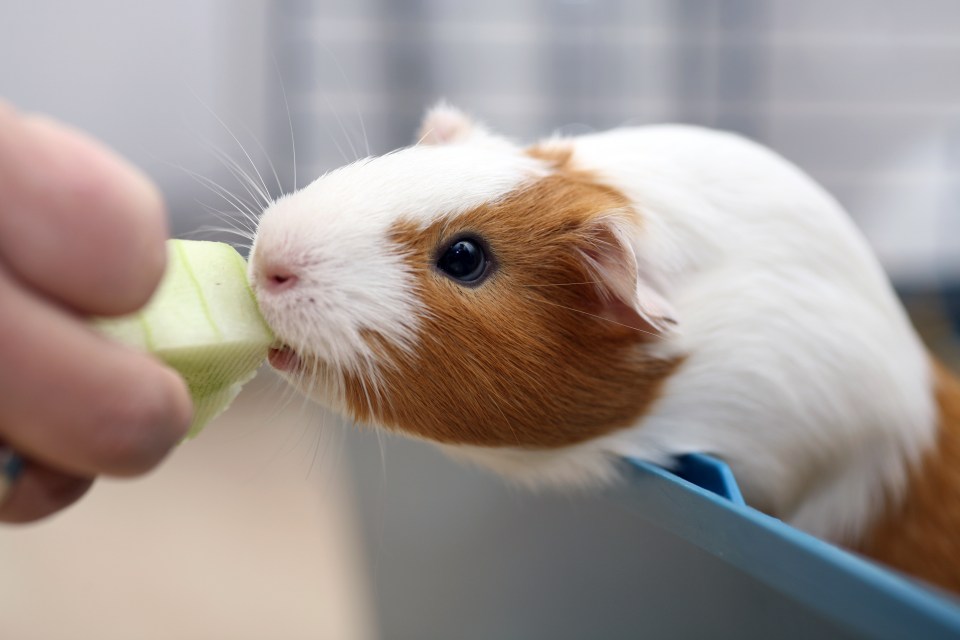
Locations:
(465, 261)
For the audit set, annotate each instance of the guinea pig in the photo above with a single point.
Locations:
(546, 310)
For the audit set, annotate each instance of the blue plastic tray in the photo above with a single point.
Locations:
(699, 502)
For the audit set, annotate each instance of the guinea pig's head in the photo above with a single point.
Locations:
(465, 290)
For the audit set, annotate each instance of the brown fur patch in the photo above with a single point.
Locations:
(521, 360)
(922, 536)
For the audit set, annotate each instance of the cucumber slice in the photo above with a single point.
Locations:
(204, 322)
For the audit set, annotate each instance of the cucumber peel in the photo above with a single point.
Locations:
(203, 321)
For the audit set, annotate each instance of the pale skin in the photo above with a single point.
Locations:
(81, 233)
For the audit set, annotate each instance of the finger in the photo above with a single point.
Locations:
(79, 402)
(76, 221)
(39, 492)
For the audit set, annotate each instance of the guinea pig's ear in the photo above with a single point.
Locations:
(625, 296)
(444, 124)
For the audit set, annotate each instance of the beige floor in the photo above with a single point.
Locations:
(242, 533)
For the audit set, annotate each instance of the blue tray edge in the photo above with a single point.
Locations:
(830, 581)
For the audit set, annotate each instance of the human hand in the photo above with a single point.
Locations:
(81, 233)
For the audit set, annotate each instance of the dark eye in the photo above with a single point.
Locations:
(464, 261)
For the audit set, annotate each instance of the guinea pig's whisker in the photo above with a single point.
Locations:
(343, 129)
(234, 228)
(426, 134)
(378, 389)
(287, 395)
(593, 315)
(239, 144)
(245, 236)
(270, 164)
(318, 445)
(506, 420)
(333, 139)
(363, 129)
(286, 106)
(239, 224)
(261, 187)
(212, 230)
(559, 284)
(254, 190)
(230, 217)
(243, 207)
(366, 394)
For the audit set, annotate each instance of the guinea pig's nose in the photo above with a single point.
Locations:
(277, 278)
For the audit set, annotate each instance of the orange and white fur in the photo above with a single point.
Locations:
(654, 291)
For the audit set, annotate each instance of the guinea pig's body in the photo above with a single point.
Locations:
(643, 292)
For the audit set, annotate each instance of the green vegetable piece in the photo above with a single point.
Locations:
(204, 322)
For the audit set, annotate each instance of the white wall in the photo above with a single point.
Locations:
(140, 76)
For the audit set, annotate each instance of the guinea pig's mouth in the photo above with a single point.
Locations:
(283, 358)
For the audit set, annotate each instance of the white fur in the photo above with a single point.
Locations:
(802, 370)
(333, 234)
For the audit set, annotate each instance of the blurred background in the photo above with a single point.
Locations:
(281, 522)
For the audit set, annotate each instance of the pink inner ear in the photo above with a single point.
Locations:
(624, 297)
(445, 124)
(654, 308)
(614, 310)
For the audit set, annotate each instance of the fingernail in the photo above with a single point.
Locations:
(11, 466)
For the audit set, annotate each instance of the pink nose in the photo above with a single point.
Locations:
(276, 278)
